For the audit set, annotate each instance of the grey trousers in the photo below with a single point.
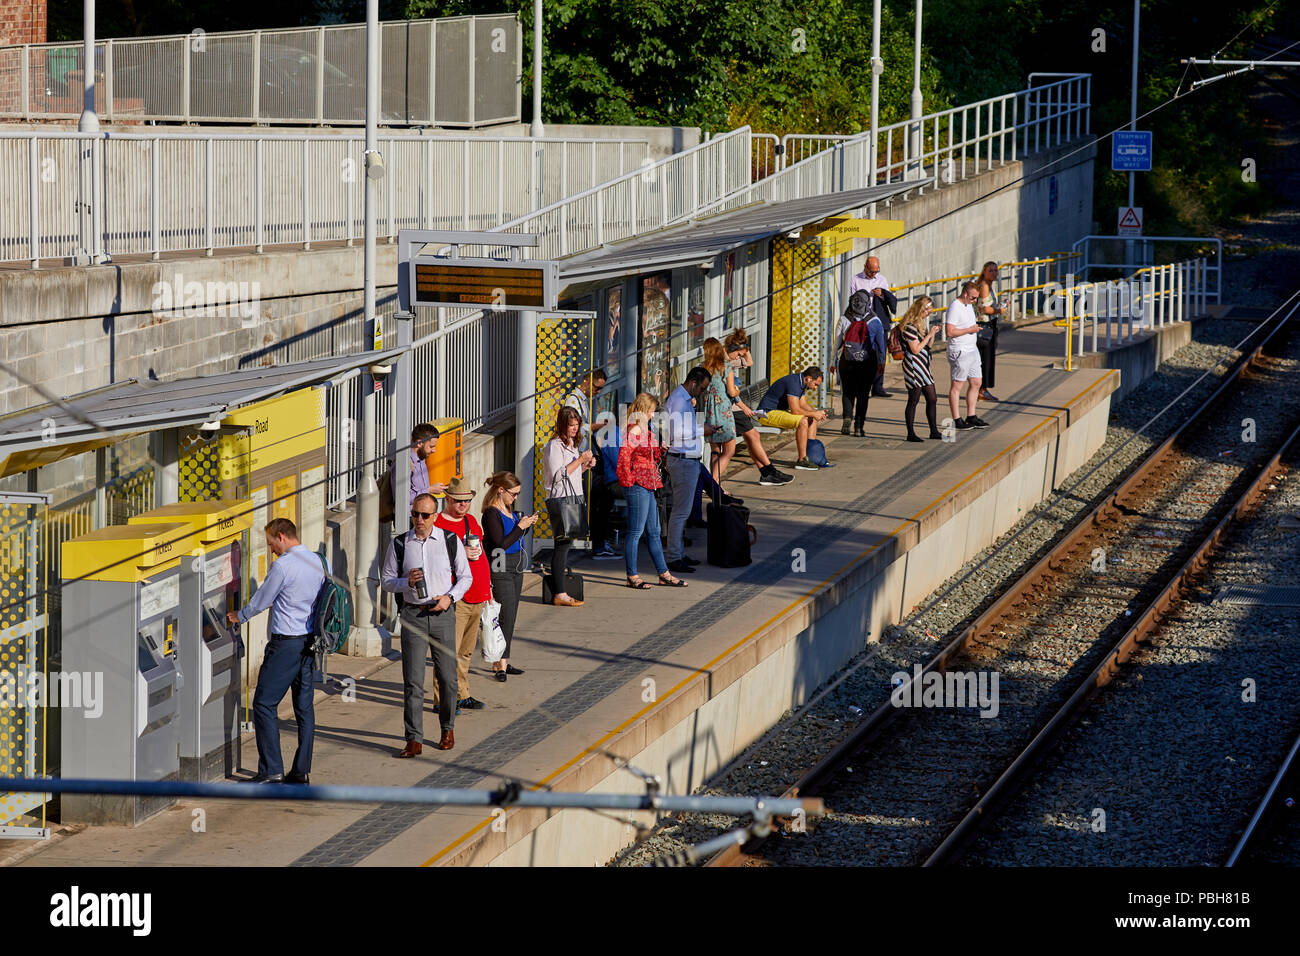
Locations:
(422, 633)
(684, 473)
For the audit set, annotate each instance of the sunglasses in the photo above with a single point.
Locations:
(423, 514)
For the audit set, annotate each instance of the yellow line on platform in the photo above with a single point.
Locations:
(594, 748)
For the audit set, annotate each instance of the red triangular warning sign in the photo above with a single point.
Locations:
(1130, 219)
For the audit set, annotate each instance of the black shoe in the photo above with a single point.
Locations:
(770, 476)
(303, 778)
(500, 676)
(880, 393)
(680, 567)
(962, 423)
(268, 778)
(937, 434)
(469, 703)
(691, 561)
(915, 438)
(976, 421)
(731, 500)
(844, 429)
(511, 669)
(859, 434)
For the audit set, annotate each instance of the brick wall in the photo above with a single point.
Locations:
(21, 21)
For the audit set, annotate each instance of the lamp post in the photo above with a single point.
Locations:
(536, 129)
(917, 133)
(89, 122)
(365, 640)
(1132, 113)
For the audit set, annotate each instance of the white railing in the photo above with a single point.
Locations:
(704, 178)
(140, 193)
(1128, 253)
(466, 369)
(457, 71)
(1027, 284)
(949, 145)
(1149, 298)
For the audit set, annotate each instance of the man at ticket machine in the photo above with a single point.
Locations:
(289, 590)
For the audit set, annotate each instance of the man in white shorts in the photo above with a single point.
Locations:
(963, 356)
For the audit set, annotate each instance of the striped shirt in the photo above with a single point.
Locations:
(916, 367)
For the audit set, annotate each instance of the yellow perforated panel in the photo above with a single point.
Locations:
(199, 471)
(22, 657)
(564, 355)
(797, 335)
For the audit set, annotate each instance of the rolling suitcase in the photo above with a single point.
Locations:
(730, 535)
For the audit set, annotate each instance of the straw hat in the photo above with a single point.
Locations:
(460, 490)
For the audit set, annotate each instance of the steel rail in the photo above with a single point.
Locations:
(1254, 827)
(1008, 783)
(880, 719)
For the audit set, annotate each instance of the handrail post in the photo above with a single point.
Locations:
(306, 190)
(33, 204)
(155, 201)
(209, 197)
(320, 77)
(258, 183)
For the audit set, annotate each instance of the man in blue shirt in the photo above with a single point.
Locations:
(290, 590)
(684, 439)
(784, 406)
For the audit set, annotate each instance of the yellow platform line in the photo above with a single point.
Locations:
(699, 671)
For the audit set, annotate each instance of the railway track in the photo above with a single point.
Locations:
(917, 794)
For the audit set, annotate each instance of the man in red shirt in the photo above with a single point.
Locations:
(456, 518)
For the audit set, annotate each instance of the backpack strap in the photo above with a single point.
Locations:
(452, 542)
(399, 552)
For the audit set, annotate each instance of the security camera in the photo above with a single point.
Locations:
(210, 428)
(378, 370)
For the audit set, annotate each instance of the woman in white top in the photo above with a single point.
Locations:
(562, 468)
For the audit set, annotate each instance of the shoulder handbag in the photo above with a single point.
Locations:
(568, 514)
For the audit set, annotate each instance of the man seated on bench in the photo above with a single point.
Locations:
(785, 407)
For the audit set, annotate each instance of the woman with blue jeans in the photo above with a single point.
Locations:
(638, 473)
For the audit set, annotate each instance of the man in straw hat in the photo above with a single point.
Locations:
(456, 518)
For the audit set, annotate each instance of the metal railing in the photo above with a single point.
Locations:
(1149, 298)
(141, 193)
(1028, 285)
(1145, 250)
(710, 176)
(954, 143)
(456, 71)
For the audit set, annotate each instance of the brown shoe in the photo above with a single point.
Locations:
(448, 740)
(413, 748)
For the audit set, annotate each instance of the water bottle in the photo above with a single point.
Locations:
(422, 589)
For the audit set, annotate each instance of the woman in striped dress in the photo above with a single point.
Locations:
(917, 335)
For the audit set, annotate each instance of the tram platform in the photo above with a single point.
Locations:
(678, 682)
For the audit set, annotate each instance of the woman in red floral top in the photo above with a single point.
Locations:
(638, 473)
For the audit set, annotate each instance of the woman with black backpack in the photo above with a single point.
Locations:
(862, 352)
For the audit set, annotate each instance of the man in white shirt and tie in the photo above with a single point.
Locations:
(684, 440)
(428, 571)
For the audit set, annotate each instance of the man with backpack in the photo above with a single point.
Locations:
(428, 572)
(860, 342)
(883, 303)
(292, 585)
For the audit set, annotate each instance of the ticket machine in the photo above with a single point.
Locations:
(208, 651)
(122, 619)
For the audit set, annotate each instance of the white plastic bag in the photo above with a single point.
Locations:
(494, 639)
